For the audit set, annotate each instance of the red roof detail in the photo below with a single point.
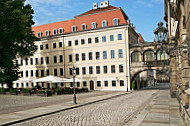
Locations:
(140, 38)
(95, 16)
(98, 10)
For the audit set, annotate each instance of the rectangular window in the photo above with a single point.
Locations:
(31, 61)
(77, 71)
(115, 21)
(77, 57)
(36, 61)
(74, 28)
(83, 27)
(97, 55)
(41, 47)
(112, 68)
(47, 72)
(71, 84)
(39, 34)
(55, 72)
(103, 38)
(60, 44)
(96, 40)
(21, 62)
(55, 59)
(69, 43)
(90, 70)
(78, 84)
(106, 83)
(47, 46)
(61, 58)
(113, 83)
(121, 82)
(84, 84)
(121, 68)
(37, 75)
(111, 38)
(83, 57)
(70, 58)
(84, 70)
(76, 42)
(42, 60)
(42, 73)
(47, 60)
(31, 73)
(27, 73)
(119, 36)
(61, 71)
(120, 53)
(97, 69)
(112, 54)
(21, 73)
(98, 83)
(89, 40)
(70, 71)
(90, 55)
(105, 69)
(82, 41)
(26, 61)
(54, 45)
(104, 54)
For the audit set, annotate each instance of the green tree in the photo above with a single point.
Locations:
(16, 37)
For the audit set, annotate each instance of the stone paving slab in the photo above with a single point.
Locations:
(161, 111)
(35, 112)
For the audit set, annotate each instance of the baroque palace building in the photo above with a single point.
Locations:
(177, 17)
(95, 42)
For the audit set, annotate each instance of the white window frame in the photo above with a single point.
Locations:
(84, 26)
(62, 30)
(92, 25)
(74, 28)
(39, 34)
(114, 21)
(54, 30)
(47, 32)
(105, 23)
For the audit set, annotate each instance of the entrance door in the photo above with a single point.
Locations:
(91, 85)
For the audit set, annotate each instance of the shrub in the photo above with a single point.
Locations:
(13, 90)
(45, 92)
(2, 91)
(58, 91)
(133, 85)
(25, 90)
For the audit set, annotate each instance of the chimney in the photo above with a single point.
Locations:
(95, 6)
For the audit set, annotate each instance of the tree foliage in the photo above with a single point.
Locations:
(16, 36)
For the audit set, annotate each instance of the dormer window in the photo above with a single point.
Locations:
(115, 21)
(93, 25)
(74, 28)
(39, 34)
(104, 23)
(60, 30)
(83, 26)
(54, 31)
(47, 33)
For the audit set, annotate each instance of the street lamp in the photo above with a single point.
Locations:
(74, 74)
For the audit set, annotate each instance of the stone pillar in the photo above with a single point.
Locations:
(173, 79)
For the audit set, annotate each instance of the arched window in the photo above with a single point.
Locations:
(104, 23)
(83, 26)
(136, 57)
(149, 56)
(162, 56)
(93, 25)
(115, 21)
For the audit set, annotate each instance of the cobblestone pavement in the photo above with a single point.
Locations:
(112, 112)
(12, 103)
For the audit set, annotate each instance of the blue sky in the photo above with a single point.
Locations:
(144, 14)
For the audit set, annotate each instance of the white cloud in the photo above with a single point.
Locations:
(144, 3)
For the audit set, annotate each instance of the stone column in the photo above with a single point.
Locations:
(173, 79)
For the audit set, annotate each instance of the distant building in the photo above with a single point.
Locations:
(95, 42)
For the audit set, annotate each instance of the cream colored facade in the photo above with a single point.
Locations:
(118, 80)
